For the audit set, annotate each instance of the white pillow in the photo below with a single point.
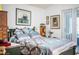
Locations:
(18, 31)
(24, 39)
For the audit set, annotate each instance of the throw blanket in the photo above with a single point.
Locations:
(30, 49)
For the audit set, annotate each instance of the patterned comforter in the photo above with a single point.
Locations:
(40, 46)
(32, 49)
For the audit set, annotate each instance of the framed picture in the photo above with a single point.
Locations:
(47, 20)
(55, 22)
(23, 17)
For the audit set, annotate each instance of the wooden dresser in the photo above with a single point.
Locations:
(3, 25)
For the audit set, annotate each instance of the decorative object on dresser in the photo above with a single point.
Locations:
(23, 17)
(55, 22)
(34, 28)
(47, 20)
(42, 29)
(2, 50)
(3, 45)
(50, 33)
(3, 25)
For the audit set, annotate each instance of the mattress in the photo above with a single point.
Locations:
(63, 48)
(58, 46)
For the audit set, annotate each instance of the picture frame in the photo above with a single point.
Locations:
(23, 17)
(55, 22)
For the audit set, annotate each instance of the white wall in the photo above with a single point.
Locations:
(37, 16)
(56, 10)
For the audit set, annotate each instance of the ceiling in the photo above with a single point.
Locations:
(44, 6)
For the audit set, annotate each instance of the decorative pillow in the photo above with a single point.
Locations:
(34, 34)
(23, 38)
(26, 30)
(18, 31)
(37, 38)
(13, 39)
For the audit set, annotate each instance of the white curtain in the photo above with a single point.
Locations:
(78, 21)
(77, 26)
(67, 19)
(69, 24)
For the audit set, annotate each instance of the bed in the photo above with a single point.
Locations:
(62, 46)
(48, 46)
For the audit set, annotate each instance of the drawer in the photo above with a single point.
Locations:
(4, 28)
(4, 36)
(0, 29)
(0, 35)
(4, 32)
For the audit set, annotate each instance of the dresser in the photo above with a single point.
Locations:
(3, 25)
